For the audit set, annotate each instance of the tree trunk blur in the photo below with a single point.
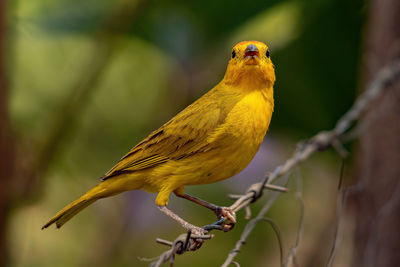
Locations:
(6, 144)
(377, 238)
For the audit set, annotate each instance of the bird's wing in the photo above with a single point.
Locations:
(182, 136)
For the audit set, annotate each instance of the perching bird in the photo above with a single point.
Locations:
(211, 140)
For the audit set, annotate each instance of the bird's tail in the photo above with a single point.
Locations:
(75, 207)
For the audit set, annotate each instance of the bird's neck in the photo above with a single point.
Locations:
(249, 84)
(249, 80)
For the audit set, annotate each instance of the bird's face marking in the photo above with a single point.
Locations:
(250, 58)
(250, 53)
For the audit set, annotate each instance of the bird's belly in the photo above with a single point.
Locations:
(212, 166)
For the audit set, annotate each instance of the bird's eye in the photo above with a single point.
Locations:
(233, 54)
(267, 53)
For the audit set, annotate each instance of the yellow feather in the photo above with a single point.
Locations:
(212, 139)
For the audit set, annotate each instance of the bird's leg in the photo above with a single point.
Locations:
(188, 226)
(226, 212)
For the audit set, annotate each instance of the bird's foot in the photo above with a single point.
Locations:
(228, 214)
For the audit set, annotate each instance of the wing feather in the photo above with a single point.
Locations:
(185, 134)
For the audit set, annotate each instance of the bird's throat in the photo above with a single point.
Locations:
(250, 78)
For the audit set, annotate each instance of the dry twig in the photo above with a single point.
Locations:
(320, 142)
(291, 257)
(339, 213)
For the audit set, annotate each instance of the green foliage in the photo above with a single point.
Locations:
(172, 52)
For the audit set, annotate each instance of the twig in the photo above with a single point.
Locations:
(249, 228)
(339, 214)
(184, 242)
(299, 196)
(278, 236)
(320, 142)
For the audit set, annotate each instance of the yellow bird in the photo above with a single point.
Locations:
(211, 140)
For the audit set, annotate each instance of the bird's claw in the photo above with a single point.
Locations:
(226, 213)
(230, 216)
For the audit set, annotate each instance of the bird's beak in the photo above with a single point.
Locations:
(251, 51)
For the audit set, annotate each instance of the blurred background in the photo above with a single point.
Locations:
(87, 80)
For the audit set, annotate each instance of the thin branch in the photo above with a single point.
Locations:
(299, 196)
(250, 226)
(278, 236)
(339, 214)
(184, 242)
(320, 142)
(246, 232)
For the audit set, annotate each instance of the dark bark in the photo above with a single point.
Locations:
(377, 235)
(6, 141)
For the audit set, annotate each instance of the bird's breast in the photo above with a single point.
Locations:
(250, 118)
(230, 148)
(243, 132)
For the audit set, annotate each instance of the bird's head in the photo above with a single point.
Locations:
(250, 66)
